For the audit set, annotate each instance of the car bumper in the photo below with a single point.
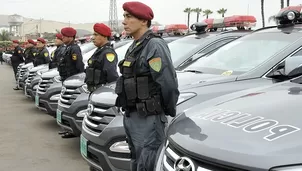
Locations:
(44, 102)
(69, 114)
(99, 156)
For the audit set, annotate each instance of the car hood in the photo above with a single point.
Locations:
(259, 125)
(40, 67)
(50, 73)
(27, 65)
(75, 80)
(188, 80)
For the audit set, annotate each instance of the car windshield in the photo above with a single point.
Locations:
(180, 48)
(243, 54)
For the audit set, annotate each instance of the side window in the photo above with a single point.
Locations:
(216, 45)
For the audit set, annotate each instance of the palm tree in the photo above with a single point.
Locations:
(188, 11)
(282, 4)
(222, 11)
(198, 11)
(262, 13)
(207, 12)
(4, 35)
(287, 2)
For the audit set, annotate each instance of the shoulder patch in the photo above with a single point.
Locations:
(155, 64)
(34, 53)
(46, 54)
(52, 53)
(19, 51)
(74, 57)
(89, 61)
(110, 57)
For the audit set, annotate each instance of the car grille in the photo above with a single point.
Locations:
(172, 156)
(69, 94)
(30, 77)
(21, 73)
(45, 84)
(99, 118)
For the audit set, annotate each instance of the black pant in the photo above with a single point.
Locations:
(15, 68)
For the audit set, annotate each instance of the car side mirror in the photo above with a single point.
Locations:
(293, 66)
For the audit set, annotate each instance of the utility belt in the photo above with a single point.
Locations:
(134, 94)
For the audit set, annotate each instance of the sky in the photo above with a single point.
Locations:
(165, 11)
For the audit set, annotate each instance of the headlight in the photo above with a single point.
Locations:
(184, 97)
(57, 79)
(288, 168)
(55, 97)
(84, 89)
(39, 73)
(120, 147)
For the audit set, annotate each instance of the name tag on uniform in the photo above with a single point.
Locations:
(126, 63)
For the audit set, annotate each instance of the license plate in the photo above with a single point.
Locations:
(59, 115)
(37, 101)
(83, 146)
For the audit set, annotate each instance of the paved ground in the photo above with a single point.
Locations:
(28, 137)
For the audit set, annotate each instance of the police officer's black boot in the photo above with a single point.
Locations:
(68, 135)
(16, 88)
(62, 132)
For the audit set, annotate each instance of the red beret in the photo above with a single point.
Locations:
(139, 10)
(59, 36)
(41, 40)
(102, 29)
(31, 42)
(15, 41)
(68, 32)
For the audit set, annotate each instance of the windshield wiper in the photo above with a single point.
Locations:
(194, 71)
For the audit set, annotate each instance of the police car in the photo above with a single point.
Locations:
(102, 139)
(254, 129)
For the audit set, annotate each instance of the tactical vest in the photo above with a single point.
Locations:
(67, 66)
(40, 57)
(95, 77)
(56, 55)
(137, 91)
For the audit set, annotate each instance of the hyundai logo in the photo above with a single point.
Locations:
(184, 164)
(90, 109)
(63, 90)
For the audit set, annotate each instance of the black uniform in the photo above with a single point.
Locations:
(102, 67)
(17, 58)
(1, 56)
(72, 62)
(56, 55)
(42, 57)
(147, 91)
(30, 54)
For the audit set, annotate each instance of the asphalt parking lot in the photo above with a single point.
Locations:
(29, 138)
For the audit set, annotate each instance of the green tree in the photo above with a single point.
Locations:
(222, 11)
(207, 12)
(197, 11)
(4, 35)
(188, 11)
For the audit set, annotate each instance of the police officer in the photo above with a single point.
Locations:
(58, 53)
(102, 66)
(71, 62)
(30, 51)
(148, 88)
(42, 57)
(17, 58)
